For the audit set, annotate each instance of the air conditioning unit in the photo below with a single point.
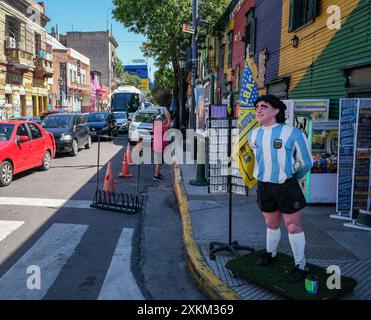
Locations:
(11, 43)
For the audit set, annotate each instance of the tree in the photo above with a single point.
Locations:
(160, 21)
(163, 83)
(126, 79)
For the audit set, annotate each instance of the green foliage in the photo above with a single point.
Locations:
(126, 79)
(160, 21)
(164, 79)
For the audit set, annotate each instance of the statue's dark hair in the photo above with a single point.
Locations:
(276, 103)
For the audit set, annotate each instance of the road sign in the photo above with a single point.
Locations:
(188, 28)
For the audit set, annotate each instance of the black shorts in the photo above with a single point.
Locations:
(286, 197)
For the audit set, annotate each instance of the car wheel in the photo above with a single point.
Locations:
(47, 161)
(6, 173)
(75, 148)
(88, 145)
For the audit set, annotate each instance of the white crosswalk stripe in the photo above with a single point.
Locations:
(46, 258)
(7, 227)
(49, 254)
(53, 203)
(119, 283)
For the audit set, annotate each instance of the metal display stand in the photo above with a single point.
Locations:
(222, 165)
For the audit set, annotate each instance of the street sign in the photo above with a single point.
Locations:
(188, 28)
(138, 61)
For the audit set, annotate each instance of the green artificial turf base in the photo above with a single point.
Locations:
(273, 277)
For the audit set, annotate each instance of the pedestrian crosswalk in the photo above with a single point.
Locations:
(32, 276)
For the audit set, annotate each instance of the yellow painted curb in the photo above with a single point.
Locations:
(200, 271)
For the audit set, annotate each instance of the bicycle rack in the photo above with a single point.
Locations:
(118, 202)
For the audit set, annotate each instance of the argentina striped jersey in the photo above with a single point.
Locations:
(278, 150)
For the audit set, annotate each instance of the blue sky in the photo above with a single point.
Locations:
(91, 15)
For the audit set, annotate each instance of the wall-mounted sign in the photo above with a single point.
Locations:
(138, 61)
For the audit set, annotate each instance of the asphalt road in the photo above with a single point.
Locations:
(54, 246)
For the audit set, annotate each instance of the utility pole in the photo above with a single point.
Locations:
(194, 62)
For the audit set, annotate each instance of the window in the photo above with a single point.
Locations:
(221, 55)
(22, 131)
(13, 29)
(250, 34)
(37, 44)
(230, 48)
(302, 12)
(35, 132)
(71, 76)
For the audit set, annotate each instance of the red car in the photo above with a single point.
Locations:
(23, 145)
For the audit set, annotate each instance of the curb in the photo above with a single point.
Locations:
(206, 280)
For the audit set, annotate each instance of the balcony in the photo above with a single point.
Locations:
(20, 59)
(44, 67)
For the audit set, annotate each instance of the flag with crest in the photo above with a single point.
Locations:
(246, 123)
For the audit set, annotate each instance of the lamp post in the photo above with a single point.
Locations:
(182, 65)
(60, 83)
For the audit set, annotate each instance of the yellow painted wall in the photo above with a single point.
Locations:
(227, 70)
(313, 39)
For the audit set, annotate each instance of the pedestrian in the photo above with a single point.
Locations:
(279, 149)
(159, 144)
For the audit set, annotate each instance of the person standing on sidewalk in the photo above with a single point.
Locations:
(278, 149)
(159, 144)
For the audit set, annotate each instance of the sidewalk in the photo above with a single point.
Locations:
(328, 241)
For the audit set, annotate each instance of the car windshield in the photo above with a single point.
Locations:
(60, 122)
(120, 115)
(146, 117)
(97, 117)
(6, 131)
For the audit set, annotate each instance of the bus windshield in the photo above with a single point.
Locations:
(125, 102)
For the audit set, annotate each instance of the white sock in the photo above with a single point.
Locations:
(297, 242)
(273, 238)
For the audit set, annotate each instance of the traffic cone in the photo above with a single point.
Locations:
(125, 169)
(128, 155)
(108, 180)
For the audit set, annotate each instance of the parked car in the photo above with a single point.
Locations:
(102, 123)
(122, 120)
(23, 145)
(70, 131)
(46, 113)
(141, 126)
(34, 119)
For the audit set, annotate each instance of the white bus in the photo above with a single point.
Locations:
(128, 99)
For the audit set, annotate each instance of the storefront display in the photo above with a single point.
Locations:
(354, 186)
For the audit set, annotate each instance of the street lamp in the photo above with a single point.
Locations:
(182, 65)
(60, 83)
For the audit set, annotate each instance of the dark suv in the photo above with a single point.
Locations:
(70, 131)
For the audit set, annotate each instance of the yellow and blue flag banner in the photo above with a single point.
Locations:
(246, 123)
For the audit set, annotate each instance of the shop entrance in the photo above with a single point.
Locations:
(23, 106)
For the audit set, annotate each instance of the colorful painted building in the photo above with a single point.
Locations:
(298, 49)
(140, 71)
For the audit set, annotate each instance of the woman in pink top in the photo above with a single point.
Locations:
(159, 145)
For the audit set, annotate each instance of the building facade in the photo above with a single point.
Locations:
(140, 71)
(99, 47)
(25, 63)
(313, 49)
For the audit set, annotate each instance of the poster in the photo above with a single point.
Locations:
(347, 124)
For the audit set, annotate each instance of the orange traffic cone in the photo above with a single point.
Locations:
(125, 169)
(128, 155)
(108, 180)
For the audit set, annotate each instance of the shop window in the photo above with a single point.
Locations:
(230, 48)
(302, 12)
(249, 38)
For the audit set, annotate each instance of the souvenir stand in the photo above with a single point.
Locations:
(311, 116)
(354, 186)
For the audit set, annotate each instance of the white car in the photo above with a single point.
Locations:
(141, 126)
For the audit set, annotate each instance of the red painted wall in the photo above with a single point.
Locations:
(239, 46)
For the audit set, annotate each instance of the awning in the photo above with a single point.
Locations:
(8, 89)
